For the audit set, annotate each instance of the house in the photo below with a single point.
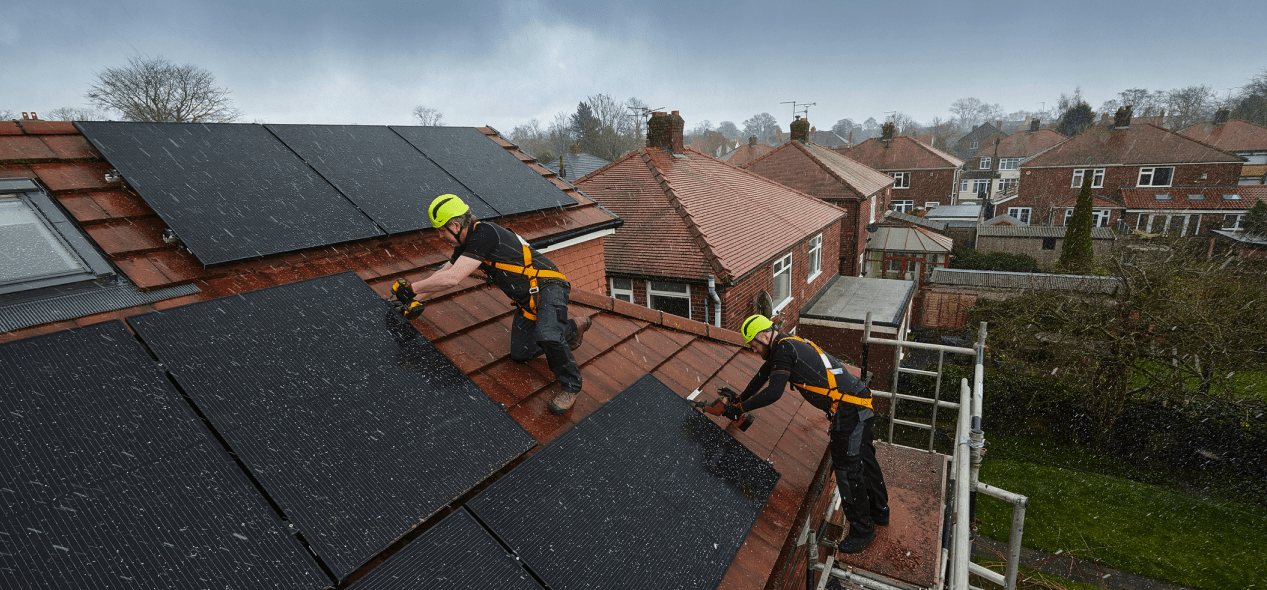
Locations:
(747, 153)
(1102, 210)
(994, 171)
(1123, 155)
(1188, 211)
(827, 138)
(705, 240)
(574, 166)
(111, 207)
(981, 135)
(815, 170)
(1239, 137)
(923, 176)
(1043, 243)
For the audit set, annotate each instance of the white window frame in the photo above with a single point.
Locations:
(978, 183)
(901, 179)
(617, 291)
(1151, 172)
(1009, 163)
(985, 163)
(973, 145)
(904, 205)
(873, 199)
(1238, 218)
(782, 266)
(652, 293)
(815, 258)
(1004, 183)
(1020, 213)
(931, 205)
(963, 185)
(1097, 178)
(1099, 217)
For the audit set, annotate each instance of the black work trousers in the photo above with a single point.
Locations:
(548, 335)
(858, 476)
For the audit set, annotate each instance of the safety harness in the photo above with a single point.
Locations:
(831, 391)
(532, 272)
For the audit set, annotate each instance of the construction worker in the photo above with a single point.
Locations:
(528, 278)
(825, 384)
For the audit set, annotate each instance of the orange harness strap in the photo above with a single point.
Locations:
(831, 391)
(532, 273)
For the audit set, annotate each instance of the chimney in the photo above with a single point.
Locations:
(752, 141)
(800, 130)
(1221, 116)
(1034, 125)
(1027, 119)
(999, 124)
(1122, 118)
(851, 138)
(664, 131)
(886, 131)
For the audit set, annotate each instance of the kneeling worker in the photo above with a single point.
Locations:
(529, 279)
(825, 384)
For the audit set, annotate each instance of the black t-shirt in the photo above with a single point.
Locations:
(797, 362)
(489, 243)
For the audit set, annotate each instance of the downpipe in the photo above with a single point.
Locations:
(712, 293)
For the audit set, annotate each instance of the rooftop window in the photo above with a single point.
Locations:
(1196, 197)
(1232, 197)
(39, 246)
(1162, 196)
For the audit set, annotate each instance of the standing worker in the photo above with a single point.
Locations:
(529, 279)
(825, 384)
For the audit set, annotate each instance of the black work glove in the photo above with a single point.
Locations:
(732, 411)
(403, 291)
(410, 310)
(728, 393)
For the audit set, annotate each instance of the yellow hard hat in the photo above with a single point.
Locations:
(445, 207)
(755, 324)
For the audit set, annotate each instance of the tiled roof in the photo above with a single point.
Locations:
(954, 212)
(1181, 198)
(691, 215)
(470, 323)
(1234, 136)
(1137, 144)
(1023, 144)
(900, 153)
(860, 179)
(909, 239)
(828, 138)
(746, 153)
(992, 279)
(1038, 231)
(576, 165)
(907, 218)
(1097, 202)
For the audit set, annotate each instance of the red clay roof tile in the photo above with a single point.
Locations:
(1137, 144)
(1233, 136)
(1180, 197)
(68, 147)
(25, 148)
(900, 153)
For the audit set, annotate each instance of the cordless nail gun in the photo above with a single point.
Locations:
(726, 396)
(405, 303)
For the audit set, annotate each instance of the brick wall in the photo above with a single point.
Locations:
(927, 185)
(1046, 259)
(1043, 188)
(738, 299)
(847, 345)
(583, 264)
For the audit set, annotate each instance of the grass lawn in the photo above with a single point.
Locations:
(1131, 526)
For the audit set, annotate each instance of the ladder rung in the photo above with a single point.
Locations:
(917, 371)
(901, 422)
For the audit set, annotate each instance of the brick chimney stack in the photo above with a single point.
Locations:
(887, 131)
(752, 141)
(1122, 118)
(664, 131)
(800, 130)
(1034, 125)
(1221, 116)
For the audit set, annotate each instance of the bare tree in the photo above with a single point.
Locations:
(1250, 103)
(728, 129)
(970, 112)
(764, 126)
(942, 130)
(1185, 106)
(155, 89)
(428, 116)
(904, 123)
(639, 112)
(6, 115)
(75, 114)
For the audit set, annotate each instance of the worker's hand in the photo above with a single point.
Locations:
(403, 291)
(727, 392)
(732, 411)
(410, 310)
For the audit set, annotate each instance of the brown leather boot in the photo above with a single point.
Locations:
(582, 324)
(563, 401)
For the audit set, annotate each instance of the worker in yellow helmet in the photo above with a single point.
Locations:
(528, 278)
(824, 383)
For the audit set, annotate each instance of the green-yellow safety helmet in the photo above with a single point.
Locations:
(755, 324)
(445, 207)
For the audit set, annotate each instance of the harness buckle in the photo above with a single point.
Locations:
(533, 290)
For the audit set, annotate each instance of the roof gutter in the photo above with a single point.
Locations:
(583, 234)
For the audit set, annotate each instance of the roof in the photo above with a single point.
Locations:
(469, 323)
(908, 239)
(828, 138)
(1003, 220)
(1240, 237)
(690, 215)
(1097, 202)
(900, 217)
(1187, 197)
(794, 164)
(1137, 144)
(954, 212)
(746, 153)
(576, 165)
(1023, 144)
(1234, 136)
(849, 299)
(1023, 280)
(1039, 231)
(900, 153)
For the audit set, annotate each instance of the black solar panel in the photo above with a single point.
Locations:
(495, 175)
(456, 554)
(385, 176)
(354, 424)
(644, 493)
(109, 479)
(230, 192)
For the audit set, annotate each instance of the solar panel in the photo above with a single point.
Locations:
(495, 175)
(353, 423)
(455, 554)
(109, 479)
(230, 192)
(644, 493)
(385, 176)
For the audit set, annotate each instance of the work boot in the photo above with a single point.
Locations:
(582, 324)
(880, 518)
(563, 401)
(853, 544)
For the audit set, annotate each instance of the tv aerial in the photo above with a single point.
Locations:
(800, 108)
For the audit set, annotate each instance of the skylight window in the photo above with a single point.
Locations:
(1196, 197)
(1162, 196)
(1232, 197)
(39, 247)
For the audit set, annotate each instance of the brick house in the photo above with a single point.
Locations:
(994, 171)
(923, 176)
(690, 219)
(1119, 156)
(747, 152)
(1188, 211)
(816, 170)
(1239, 137)
(981, 136)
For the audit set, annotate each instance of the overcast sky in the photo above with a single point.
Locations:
(502, 63)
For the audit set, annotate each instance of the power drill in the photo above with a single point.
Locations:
(727, 396)
(405, 303)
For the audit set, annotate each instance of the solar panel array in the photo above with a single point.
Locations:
(239, 191)
(109, 479)
(644, 493)
(355, 425)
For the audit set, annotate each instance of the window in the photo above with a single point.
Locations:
(904, 206)
(39, 247)
(1097, 177)
(1231, 197)
(674, 298)
(1007, 185)
(1009, 163)
(1196, 197)
(815, 257)
(985, 163)
(901, 179)
(981, 187)
(872, 210)
(1021, 213)
(1161, 197)
(1049, 243)
(931, 204)
(974, 145)
(1155, 176)
(963, 186)
(782, 282)
(1233, 220)
(1099, 217)
(622, 289)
